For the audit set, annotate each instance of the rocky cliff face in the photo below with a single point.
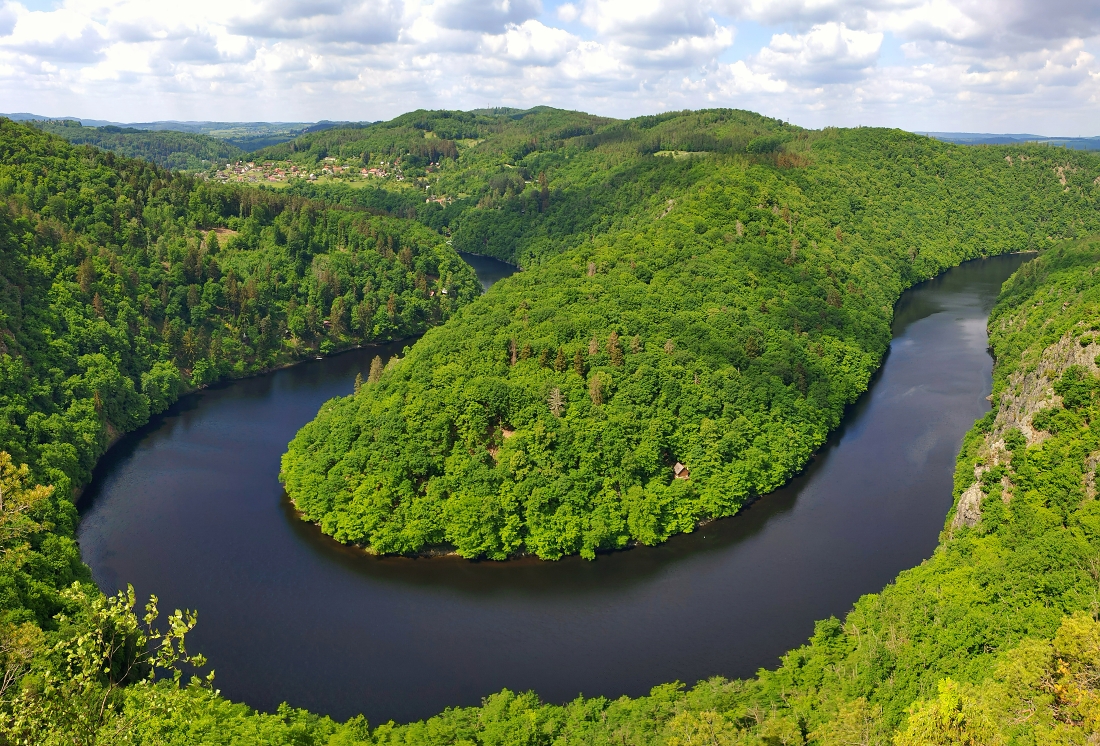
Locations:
(1027, 392)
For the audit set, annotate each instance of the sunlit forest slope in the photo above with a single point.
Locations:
(993, 640)
(703, 295)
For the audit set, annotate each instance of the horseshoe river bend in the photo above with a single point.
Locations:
(189, 508)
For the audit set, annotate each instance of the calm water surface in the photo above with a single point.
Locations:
(488, 270)
(189, 508)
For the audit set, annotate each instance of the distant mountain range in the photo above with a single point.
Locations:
(159, 142)
(255, 135)
(247, 136)
(985, 138)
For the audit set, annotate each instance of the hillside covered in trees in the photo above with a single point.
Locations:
(172, 150)
(123, 285)
(704, 293)
(516, 185)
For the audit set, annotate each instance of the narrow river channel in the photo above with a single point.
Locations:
(189, 508)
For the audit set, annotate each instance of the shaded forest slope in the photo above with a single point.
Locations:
(123, 285)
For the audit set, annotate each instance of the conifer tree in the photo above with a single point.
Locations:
(337, 324)
(544, 193)
(556, 402)
(375, 370)
(559, 362)
(595, 389)
(614, 350)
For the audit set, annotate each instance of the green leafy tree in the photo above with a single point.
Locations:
(78, 696)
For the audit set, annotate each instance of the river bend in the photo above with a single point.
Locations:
(189, 508)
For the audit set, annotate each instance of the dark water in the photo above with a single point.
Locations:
(190, 508)
(488, 270)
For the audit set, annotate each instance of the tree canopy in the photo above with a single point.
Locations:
(714, 312)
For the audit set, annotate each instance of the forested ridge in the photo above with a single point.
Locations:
(167, 148)
(687, 331)
(517, 185)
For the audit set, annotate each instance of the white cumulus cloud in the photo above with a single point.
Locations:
(827, 53)
(921, 64)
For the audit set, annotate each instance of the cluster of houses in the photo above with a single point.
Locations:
(252, 173)
(255, 173)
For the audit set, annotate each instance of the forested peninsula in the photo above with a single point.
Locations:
(703, 295)
(123, 285)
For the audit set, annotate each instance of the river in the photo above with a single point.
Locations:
(189, 508)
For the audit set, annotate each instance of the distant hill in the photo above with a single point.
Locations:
(248, 136)
(170, 149)
(982, 138)
(22, 116)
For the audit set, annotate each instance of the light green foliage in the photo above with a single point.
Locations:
(759, 287)
(74, 693)
(1039, 692)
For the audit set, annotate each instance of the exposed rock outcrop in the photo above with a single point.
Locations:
(1026, 392)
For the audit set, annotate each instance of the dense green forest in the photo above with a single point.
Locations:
(519, 185)
(173, 150)
(123, 285)
(993, 640)
(706, 317)
(758, 281)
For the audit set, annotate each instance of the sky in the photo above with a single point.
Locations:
(940, 65)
